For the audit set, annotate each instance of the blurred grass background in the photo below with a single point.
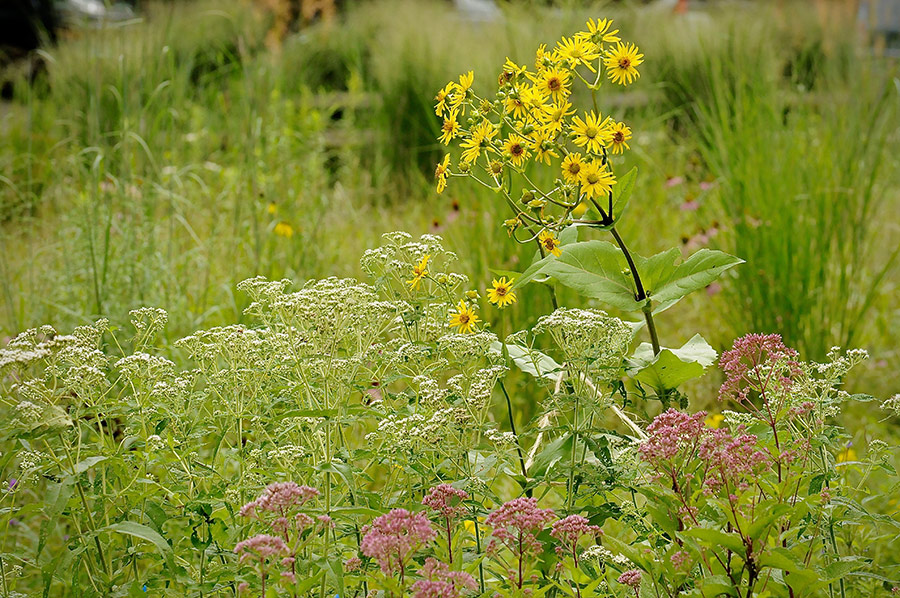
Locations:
(161, 162)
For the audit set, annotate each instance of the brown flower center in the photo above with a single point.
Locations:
(516, 150)
(463, 318)
(618, 137)
(574, 168)
(501, 291)
(554, 84)
(624, 63)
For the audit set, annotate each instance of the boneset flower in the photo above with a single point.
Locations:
(392, 538)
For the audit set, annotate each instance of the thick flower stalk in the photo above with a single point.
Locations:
(447, 502)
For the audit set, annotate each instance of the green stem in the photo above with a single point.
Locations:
(640, 293)
(512, 425)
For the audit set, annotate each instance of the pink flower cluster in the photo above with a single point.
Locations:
(631, 578)
(279, 496)
(438, 581)
(756, 363)
(516, 524)
(571, 529)
(672, 434)
(393, 537)
(729, 459)
(446, 500)
(262, 546)
(732, 460)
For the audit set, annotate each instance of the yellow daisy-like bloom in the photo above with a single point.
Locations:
(550, 243)
(419, 272)
(464, 318)
(553, 83)
(599, 32)
(847, 455)
(541, 146)
(621, 63)
(495, 168)
(591, 133)
(552, 117)
(441, 172)
(543, 58)
(272, 207)
(461, 89)
(596, 180)
(714, 420)
(450, 128)
(578, 50)
(284, 229)
(516, 149)
(481, 137)
(572, 166)
(521, 101)
(441, 98)
(620, 134)
(502, 294)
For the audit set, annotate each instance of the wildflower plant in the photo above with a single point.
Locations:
(365, 438)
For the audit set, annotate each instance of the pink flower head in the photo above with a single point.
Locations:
(681, 560)
(631, 578)
(279, 496)
(672, 434)
(571, 529)
(393, 537)
(517, 522)
(446, 500)
(352, 564)
(757, 363)
(262, 545)
(438, 581)
(732, 460)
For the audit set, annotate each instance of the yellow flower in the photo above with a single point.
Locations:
(578, 50)
(847, 455)
(549, 242)
(464, 318)
(543, 58)
(553, 116)
(542, 147)
(552, 82)
(441, 172)
(621, 62)
(283, 229)
(515, 149)
(571, 167)
(495, 168)
(714, 420)
(502, 293)
(596, 180)
(521, 101)
(480, 138)
(450, 128)
(591, 133)
(441, 98)
(461, 89)
(620, 134)
(511, 72)
(419, 272)
(599, 31)
(272, 207)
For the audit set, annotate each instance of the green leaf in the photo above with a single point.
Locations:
(144, 533)
(716, 585)
(672, 367)
(84, 465)
(529, 361)
(622, 193)
(715, 538)
(55, 500)
(594, 269)
(694, 273)
(780, 558)
(551, 455)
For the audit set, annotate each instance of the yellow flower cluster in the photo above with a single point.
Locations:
(532, 117)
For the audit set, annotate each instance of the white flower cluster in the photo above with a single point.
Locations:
(588, 335)
(393, 262)
(602, 555)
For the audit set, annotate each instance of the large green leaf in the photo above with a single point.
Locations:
(144, 533)
(694, 273)
(672, 367)
(714, 538)
(528, 360)
(593, 268)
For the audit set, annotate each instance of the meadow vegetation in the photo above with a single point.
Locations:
(252, 385)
